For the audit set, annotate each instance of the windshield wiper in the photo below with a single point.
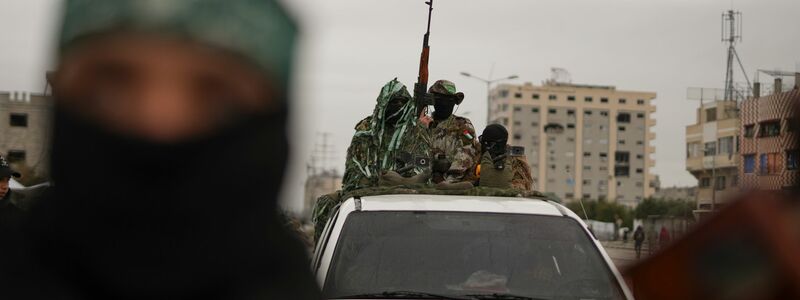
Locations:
(400, 295)
(499, 296)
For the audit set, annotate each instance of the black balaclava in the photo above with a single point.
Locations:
(494, 140)
(443, 105)
(131, 218)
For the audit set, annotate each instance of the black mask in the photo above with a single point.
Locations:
(137, 218)
(494, 140)
(443, 111)
(392, 113)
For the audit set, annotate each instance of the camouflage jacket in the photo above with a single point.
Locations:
(377, 147)
(455, 137)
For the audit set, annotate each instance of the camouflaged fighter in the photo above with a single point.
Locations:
(391, 147)
(452, 137)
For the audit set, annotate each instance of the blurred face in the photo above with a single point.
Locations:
(157, 88)
(4, 186)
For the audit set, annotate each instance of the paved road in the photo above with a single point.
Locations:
(622, 255)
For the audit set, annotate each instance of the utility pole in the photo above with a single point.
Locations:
(489, 83)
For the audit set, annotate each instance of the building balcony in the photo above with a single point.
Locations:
(695, 164)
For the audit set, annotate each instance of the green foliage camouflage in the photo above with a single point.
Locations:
(377, 146)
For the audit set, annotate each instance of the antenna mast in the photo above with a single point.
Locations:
(731, 34)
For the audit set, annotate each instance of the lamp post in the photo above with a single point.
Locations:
(488, 83)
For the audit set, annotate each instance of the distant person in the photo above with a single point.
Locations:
(638, 240)
(10, 214)
(169, 148)
(663, 237)
(452, 135)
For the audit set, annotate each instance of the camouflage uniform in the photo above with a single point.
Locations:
(522, 178)
(454, 137)
(377, 148)
(516, 175)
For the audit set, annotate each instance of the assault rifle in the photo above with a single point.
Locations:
(421, 97)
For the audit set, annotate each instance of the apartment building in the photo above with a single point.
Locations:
(582, 141)
(769, 137)
(24, 129)
(712, 151)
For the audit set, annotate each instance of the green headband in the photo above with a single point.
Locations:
(259, 30)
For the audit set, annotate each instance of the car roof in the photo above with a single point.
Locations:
(422, 202)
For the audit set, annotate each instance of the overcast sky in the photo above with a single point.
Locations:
(350, 48)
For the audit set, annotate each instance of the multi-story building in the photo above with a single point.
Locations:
(712, 151)
(582, 141)
(24, 129)
(769, 138)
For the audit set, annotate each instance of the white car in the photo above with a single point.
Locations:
(461, 247)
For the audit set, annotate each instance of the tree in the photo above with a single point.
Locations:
(603, 211)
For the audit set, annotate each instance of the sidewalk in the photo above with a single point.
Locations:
(622, 245)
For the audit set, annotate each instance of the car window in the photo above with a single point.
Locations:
(460, 253)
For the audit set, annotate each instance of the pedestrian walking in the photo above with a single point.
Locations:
(638, 239)
(10, 214)
(663, 237)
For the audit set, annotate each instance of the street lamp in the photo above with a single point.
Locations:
(488, 90)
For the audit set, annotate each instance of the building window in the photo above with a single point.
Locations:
(552, 167)
(791, 159)
(705, 182)
(749, 163)
(603, 100)
(603, 168)
(503, 94)
(552, 111)
(622, 157)
(570, 126)
(749, 131)
(726, 145)
(639, 171)
(534, 124)
(603, 141)
(517, 108)
(15, 156)
(587, 154)
(710, 149)
(604, 113)
(517, 137)
(587, 168)
(639, 184)
(587, 196)
(639, 156)
(769, 129)
(640, 116)
(570, 140)
(623, 118)
(570, 98)
(504, 107)
(768, 163)
(640, 101)
(711, 114)
(719, 184)
(588, 99)
(517, 123)
(517, 95)
(693, 150)
(569, 195)
(639, 143)
(587, 112)
(535, 110)
(623, 101)
(536, 96)
(570, 112)
(621, 128)
(622, 171)
(587, 182)
(18, 120)
(734, 180)
(621, 142)
(552, 97)
(603, 157)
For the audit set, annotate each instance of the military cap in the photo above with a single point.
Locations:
(443, 87)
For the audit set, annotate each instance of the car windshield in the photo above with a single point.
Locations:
(462, 253)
